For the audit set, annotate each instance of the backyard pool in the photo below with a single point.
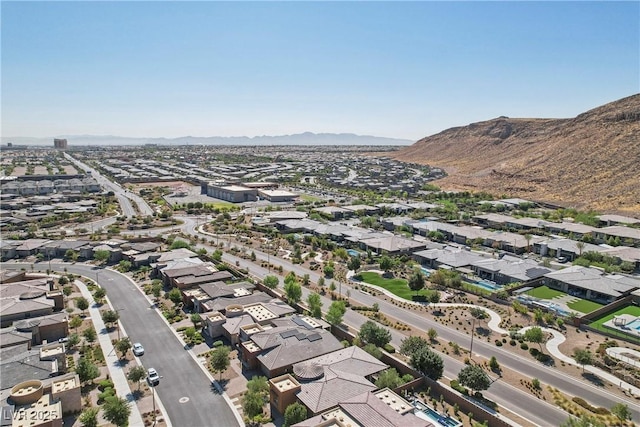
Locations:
(634, 324)
(353, 252)
(429, 414)
(427, 271)
(485, 284)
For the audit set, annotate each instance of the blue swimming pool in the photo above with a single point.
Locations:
(634, 324)
(427, 272)
(433, 416)
(353, 252)
(485, 284)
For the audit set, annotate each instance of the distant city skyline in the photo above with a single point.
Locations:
(390, 69)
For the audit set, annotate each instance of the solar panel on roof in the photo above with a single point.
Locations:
(314, 337)
(288, 334)
(301, 336)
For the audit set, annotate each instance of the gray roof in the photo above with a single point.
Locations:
(220, 304)
(512, 267)
(285, 346)
(17, 364)
(450, 256)
(594, 280)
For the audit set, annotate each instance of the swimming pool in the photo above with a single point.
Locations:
(427, 272)
(429, 414)
(485, 284)
(634, 324)
(353, 252)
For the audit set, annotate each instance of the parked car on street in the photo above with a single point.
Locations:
(138, 349)
(153, 377)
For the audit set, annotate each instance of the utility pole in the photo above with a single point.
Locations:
(473, 327)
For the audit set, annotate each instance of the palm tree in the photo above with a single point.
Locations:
(580, 246)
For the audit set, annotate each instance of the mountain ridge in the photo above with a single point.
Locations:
(290, 139)
(591, 161)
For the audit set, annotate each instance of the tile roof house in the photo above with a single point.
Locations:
(276, 350)
(382, 408)
(334, 377)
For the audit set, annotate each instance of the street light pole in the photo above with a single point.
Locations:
(473, 327)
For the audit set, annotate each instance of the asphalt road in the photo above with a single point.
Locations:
(125, 197)
(186, 393)
(528, 406)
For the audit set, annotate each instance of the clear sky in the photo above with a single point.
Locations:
(395, 69)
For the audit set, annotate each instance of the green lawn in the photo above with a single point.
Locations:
(584, 306)
(633, 310)
(398, 287)
(544, 292)
(309, 198)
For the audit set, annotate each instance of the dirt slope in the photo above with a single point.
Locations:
(590, 161)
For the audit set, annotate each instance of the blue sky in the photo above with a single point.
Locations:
(395, 69)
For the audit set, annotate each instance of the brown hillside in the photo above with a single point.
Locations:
(590, 161)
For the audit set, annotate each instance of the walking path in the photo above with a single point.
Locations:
(116, 373)
(553, 344)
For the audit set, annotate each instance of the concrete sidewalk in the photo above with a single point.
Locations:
(116, 373)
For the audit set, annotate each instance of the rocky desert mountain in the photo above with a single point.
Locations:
(591, 161)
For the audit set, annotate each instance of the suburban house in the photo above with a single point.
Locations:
(591, 284)
(508, 269)
(276, 350)
(28, 299)
(625, 235)
(567, 248)
(450, 258)
(386, 407)
(327, 380)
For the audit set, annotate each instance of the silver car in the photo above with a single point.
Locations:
(138, 349)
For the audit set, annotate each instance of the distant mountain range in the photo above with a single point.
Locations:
(590, 161)
(307, 138)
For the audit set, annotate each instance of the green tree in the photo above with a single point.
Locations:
(622, 412)
(101, 255)
(117, 410)
(417, 281)
(371, 333)
(474, 377)
(252, 404)
(328, 270)
(75, 322)
(433, 334)
(71, 255)
(86, 370)
(74, 339)
(137, 374)
(124, 265)
(294, 414)
(583, 357)
(90, 335)
(428, 363)
(67, 290)
(434, 297)
(123, 345)
(493, 364)
(89, 417)
(82, 303)
(315, 305)
(99, 294)
(220, 359)
(260, 385)
(354, 263)
(175, 296)
(196, 319)
(271, 282)
(336, 312)
(389, 378)
(535, 335)
(293, 290)
(386, 263)
(156, 289)
(373, 350)
(179, 244)
(411, 344)
(110, 317)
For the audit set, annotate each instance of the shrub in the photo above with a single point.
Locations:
(534, 352)
(105, 384)
(498, 343)
(389, 348)
(456, 386)
(512, 342)
(524, 346)
(217, 344)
